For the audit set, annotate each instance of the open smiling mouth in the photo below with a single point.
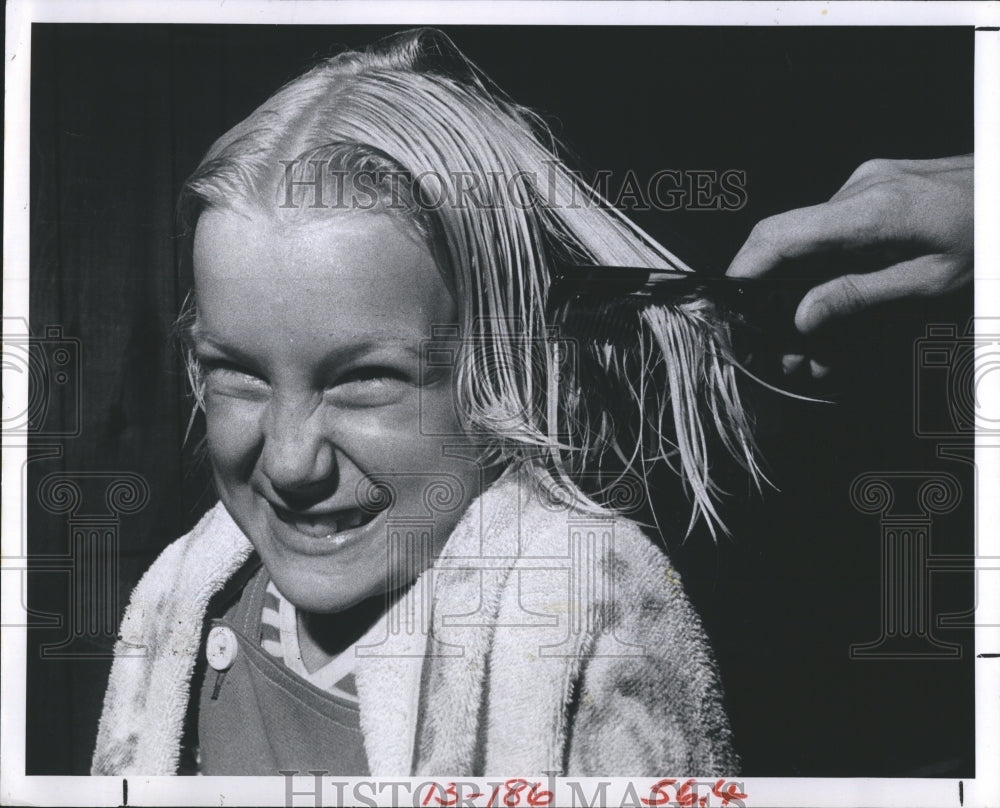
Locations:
(325, 525)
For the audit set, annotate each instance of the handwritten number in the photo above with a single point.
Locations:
(658, 794)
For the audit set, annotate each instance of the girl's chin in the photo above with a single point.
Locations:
(326, 596)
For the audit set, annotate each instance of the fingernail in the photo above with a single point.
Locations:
(790, 362)
(818, 371)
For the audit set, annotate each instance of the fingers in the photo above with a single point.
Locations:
(838, 224)
(791, 362)
(849, 294)
(883, 202)
(888, 209)
(876, 171)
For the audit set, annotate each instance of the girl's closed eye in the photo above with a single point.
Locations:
(228, 379)
(371, 386)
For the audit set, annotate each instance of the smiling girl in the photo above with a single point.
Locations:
(422, 560)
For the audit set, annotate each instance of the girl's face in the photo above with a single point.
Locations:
(310, 338)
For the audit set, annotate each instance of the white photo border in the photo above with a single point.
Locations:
(983, 790)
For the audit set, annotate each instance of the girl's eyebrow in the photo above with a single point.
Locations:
(358, 345)
(202, 339)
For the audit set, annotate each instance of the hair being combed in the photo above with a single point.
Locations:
(413, 107)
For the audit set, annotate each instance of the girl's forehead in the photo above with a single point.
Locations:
(358, 273)
(246, 243)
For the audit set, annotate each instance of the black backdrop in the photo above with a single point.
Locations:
(121, 114)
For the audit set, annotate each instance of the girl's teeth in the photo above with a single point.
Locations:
(318, 521)
(352, 520)
(316, 526)
(321, 526)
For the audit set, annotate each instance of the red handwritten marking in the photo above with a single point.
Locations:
(509, 794)
(732, 792)
(449, 791)
(536, 797)
(686, 794)
(514, 788)
(658, 794)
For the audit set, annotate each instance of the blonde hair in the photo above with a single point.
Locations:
(419, 120)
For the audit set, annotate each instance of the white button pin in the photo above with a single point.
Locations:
(221, 648)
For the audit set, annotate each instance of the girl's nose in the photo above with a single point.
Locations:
(298, 458)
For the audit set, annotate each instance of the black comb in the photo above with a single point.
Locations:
(599, 300)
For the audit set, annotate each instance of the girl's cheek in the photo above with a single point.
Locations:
(418, 427)
(233, 429)
(434, 415)
(409, 435)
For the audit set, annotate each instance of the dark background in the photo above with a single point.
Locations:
(121, 115)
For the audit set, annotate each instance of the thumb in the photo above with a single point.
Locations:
(850, 294)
